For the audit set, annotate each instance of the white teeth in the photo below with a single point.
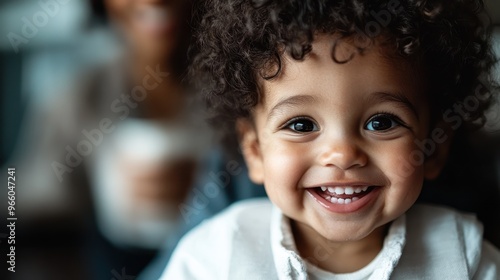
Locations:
(331, 192)
(338, 190)
(343, 190)
(336, 200)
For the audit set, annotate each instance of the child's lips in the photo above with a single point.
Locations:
(344, 199)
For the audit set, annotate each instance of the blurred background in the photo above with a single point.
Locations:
(113, 161)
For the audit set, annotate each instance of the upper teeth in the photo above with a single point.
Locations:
(345, 190)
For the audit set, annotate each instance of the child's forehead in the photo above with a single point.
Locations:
(374, 64)
(332, 48)
(344, 49)
(328, 49)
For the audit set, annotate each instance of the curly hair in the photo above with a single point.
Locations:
(236, 41)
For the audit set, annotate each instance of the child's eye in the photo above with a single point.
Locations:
(382, 122)
(301, 125)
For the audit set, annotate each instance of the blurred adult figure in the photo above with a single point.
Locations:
(120, 148)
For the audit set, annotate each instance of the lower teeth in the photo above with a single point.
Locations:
(343, 200)
(337, 200)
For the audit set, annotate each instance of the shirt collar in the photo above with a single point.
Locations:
(290, 265)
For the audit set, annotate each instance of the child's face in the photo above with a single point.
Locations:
(350, 127)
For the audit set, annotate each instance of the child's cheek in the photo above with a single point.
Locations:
(284, 166)
(399, 160)
(405, 174)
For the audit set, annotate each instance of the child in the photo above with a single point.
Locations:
(342, 109)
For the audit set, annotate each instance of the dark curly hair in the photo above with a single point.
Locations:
(239, 40)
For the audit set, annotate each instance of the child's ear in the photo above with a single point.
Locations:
(440, 137)
(249, 143)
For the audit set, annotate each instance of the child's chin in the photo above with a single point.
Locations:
(345, 233)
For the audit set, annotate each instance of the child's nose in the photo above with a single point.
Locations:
(342, 153)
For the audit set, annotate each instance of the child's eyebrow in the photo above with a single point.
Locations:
(298, 100)
(395, 97)
(291, 101)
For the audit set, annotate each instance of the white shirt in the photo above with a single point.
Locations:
(384, 262)
(253, 240)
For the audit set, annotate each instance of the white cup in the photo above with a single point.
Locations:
(122, 218)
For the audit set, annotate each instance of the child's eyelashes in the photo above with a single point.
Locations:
(384, 122)
(301, 125)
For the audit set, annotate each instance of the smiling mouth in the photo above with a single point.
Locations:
(343, 195)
